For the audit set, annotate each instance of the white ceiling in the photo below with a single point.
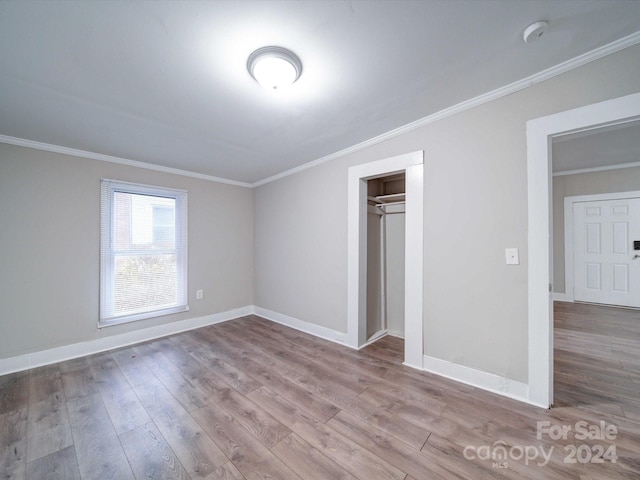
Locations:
(166, 82)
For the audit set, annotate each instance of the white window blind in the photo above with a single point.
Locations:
(143, 252)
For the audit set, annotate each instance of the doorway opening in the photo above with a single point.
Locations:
(411, 166)
(385, 256)
(541, 132)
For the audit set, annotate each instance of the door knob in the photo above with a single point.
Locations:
(636, 256)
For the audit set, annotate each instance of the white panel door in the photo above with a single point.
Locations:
(605, 270)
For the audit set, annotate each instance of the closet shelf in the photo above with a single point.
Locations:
(394, 197)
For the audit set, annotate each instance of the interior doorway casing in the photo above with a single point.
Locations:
(540, 133)
(412, 165)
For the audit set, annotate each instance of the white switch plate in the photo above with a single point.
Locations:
(512, 255)
(199, 294)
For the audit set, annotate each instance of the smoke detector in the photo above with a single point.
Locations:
(534, 31)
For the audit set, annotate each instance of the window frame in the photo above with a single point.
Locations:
(108, 189)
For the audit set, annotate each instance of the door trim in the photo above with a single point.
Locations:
(568, 232)
(412, 165)
(540, 132)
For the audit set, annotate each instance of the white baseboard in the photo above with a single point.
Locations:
(396, 334)
(380, 334)
(306, 327)
(477, 378)
(561, 297)
(67, 352)
(374, 338)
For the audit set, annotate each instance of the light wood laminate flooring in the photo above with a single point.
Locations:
(252, 399)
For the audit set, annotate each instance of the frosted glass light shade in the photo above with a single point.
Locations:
(274, 67)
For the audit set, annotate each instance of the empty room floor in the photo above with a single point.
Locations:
(253, 399)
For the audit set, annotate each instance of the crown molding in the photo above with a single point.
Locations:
(21, 142)
(539, 77)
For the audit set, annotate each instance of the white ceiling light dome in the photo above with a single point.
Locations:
(274, 67)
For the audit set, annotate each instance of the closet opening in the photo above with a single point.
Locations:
(411, 165)
(385, 289)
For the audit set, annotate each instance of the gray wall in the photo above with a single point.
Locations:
(49, 235)
(475, 306)
(609, 181)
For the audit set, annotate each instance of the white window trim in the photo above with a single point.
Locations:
(108, 188)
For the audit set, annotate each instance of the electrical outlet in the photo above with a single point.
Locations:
(199, 294)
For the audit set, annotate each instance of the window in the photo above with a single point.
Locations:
(143, 252)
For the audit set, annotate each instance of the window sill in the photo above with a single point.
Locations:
(141, 316)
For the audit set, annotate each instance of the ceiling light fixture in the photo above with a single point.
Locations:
(274, 67)
(534, 31)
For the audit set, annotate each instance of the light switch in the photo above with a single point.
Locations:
(513, 257)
